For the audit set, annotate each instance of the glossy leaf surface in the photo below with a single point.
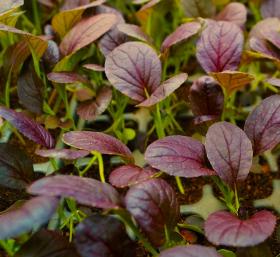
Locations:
(229, 151)
(224, 228)
(85, 32)
(220, 47)
(263, 125)
(96, 141)
(31, 214)
(27, 127)
(99, 236)
(85, 191)
(154, 205)
(129, 175)
(134, 69)
(67, 154)
(178, 156)
(133, 31)
(16, 169)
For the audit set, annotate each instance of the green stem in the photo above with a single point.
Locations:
(90, 163)
(7, 89)
(5, 245)
(100, 164)
(36, 16)
(158, 123)
(180, 185)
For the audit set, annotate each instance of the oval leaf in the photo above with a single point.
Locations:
(133, 31)
(154, 205)
(232, 80)
(85, 191)
(28, 127)
(182, 33)
(129, 175)
(65, 20)
(16, 169)
(94, 67)
(100, 235)
(224, 228)
(206, 99)
(178, 156)
(220, 47)
(164, 90)
(67, 77)
(235, 13)
(31, 214)
(263, 125)
(85, 32)
(190, 251)
(97, 141)
(47, 243)
(134, 69)
(67, 154)
(274, 81)
(229, 151)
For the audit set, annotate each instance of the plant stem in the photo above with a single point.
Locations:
(36, 16)
(180, 185)
(158, 123)
(90, 163)
(100, 164)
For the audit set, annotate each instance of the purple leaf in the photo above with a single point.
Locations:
(224, 228)
(85, 191)
(164, 90)
(86, 31)
(134, 31)
(206, 99)
(97, 141)
(94, 67)
(201, 8)
(178, 156)
(46, 243)
(129, 175)
(67, 77)
(28, 127)
(134, 69)
(52, 54)
(220, 47)
(229, 151)
(32, 214)
(103, 236)
(91, 109)
(182, 33)
(67, 154)
(235, 13)
(263, 125)
(154, 205)
(274, 81)
(190, 251)
(16, 169)
(114, 37)
(270, 8)
(71, 4)
(30, 90)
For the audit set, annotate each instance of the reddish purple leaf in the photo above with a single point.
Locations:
(178, 156)
(129, 175)
(274, 81)
(206, 99)
(133, 31)
(94, 67)
(235, 13)
(182, 33)
(224, 228)
(263, 125)
(52, 54)
(91, 109)
(97, 141)
(229, 151)
(220, 47)
(273, 36)
(154, 205)
(86, 31)
(114, 37)
(67, 77)
(67, 154)
(270, 8)
(164, 90)
(190, 251)
(134, 69)
(32, 214)
(103, 236)
(71, 4)
(149, 5)
(85, 191)
(28, 127)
